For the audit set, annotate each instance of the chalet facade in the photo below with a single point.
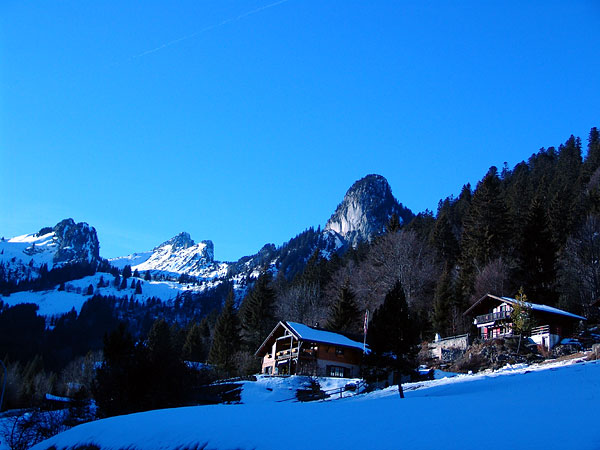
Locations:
(296, 349)
(493, 318)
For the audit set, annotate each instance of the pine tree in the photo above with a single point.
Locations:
(344, 315)
(486, 225)
(392, 336)
(444, 240)
(257, 315)
(226, 338)
(148, 276)
(138, 287)
(126, 271)
(393, 224)
(442, 304)
(486, 231)
(193, 348)
(538, 256)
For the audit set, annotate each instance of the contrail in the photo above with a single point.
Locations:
(211, 27)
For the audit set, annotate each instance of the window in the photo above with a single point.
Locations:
(268, 370)
(336, 371)
(339, 350)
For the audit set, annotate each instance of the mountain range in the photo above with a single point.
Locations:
(183, 264)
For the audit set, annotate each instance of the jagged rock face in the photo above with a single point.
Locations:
(76, 242)
(366, 209)
(22, 257)
(178, 255)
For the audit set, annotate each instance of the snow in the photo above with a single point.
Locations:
(545, 308)
(310, 334)
(557, 402)
(29, 247)
(195, 260)
(54, 302)
(132, 260)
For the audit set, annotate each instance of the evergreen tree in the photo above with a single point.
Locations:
(90, 290)
(257, 313)
(344, 315)
(538, 256)
(136, 273)
(193, 348)
(138, 287)
(393, 224)
(392, 336)
(147, 276)
(443, 301)
(486, 230)
(126, 271)
(486, 225)
(444, 240)
(226, 338)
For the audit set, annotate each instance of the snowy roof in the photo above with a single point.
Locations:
(307, 333)
(544, 308)
(533, 306)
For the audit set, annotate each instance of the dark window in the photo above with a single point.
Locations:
(337, 371)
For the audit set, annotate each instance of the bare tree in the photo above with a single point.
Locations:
(401, 257)
(493, 278)
(579, 267)
(302, 303)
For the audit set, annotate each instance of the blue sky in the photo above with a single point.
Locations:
(252, 127)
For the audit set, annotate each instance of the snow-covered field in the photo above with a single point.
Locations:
(54, 302)
(549, 406)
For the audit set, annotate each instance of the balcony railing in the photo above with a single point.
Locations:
(491, 317)
(540, 330)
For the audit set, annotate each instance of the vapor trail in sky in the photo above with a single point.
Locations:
(208, 28)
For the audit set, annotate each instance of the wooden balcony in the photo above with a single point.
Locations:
(544, 329)
(492, 317)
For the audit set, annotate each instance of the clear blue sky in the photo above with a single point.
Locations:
(246, 125)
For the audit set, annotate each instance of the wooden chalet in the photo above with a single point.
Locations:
(296, 349)
(493, 320)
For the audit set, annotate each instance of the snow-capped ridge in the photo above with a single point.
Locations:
(178, 255)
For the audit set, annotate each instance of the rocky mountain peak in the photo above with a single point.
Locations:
(76, 242)
(365, 210)
(182, 241)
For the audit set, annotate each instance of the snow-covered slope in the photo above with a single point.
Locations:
(178, 255)
(55, 302)
(548, 407)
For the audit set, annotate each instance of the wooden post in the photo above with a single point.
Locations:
(291, 347)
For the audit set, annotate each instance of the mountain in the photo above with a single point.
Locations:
(181, 264)
(365, 211)
(23, 257)
(179, 255)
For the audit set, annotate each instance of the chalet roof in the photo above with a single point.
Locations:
(533, 306)
(306, 333)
